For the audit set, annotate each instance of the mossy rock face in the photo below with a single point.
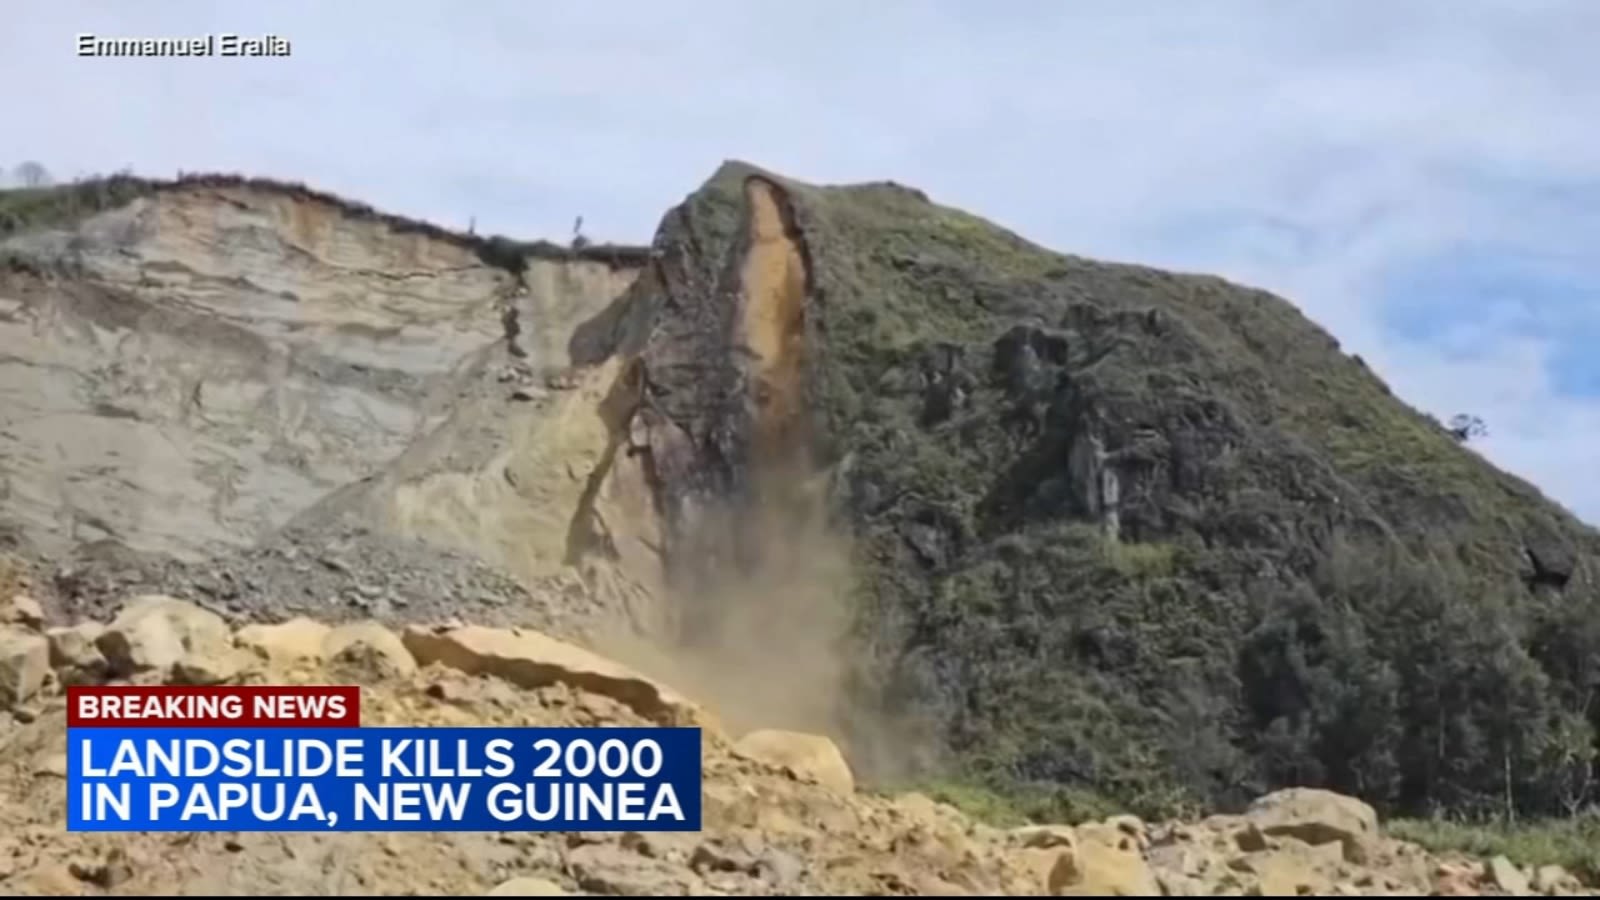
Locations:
(1147, 534)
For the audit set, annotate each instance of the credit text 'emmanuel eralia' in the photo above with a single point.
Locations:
(204, 45)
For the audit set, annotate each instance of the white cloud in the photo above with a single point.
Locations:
(1313, 149)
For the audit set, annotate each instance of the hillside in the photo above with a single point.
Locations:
(1147, 535)
(1090, 537)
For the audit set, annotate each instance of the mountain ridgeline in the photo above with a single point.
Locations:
(1113, 538)
(1117, 533)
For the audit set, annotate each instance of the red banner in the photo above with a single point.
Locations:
(216, 706)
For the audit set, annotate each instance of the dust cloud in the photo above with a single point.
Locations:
(763, 629)
(758, 598)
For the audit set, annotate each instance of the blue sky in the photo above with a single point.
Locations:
(1421, 176)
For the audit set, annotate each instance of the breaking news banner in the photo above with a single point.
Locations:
(273, 758)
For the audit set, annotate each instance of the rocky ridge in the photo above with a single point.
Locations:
(782, 813)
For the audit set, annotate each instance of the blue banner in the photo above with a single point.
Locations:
(383, 779)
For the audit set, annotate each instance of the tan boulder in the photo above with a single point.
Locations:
(1450, 880)
(529, 659)
(1504, 874)
(1317, 816)
(156, 632)
(1132, 826)
(23, 610)
(1037, 863)
(74, 654)
(297, 639)
(809, 756)
(528, 887)
(24, 662)
(212, 665)
(1294, 868)
(1107, 834)
(369, 639)
(1097, 869)
(1551, 879)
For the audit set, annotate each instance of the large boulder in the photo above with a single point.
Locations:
(527, 886)
(809, 756)
(75, 655)
(24, 662)
(370, 641)
(293, 641)
(23, 610)
(1292, 868)
(173, 637)
(1505, 875)
(529, 659)
(1098, 867)
(1317, 816)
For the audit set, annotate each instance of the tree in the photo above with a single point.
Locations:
(1466, 427)
(31, 174)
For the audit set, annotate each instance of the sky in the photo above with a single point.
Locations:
(1421, 177)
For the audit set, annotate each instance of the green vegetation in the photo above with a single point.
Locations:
(1047, 803)
(44, 207)
(1573, 844)
(62, 204)
(1305, 580)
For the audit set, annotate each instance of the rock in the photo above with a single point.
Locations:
(1553, 879)
(1294, 869)
(1108, 835)
(1132, 826)
(298, 639)
(808, 756)
(372, 637)
(528, 887)
(214, 666)
(726, 806)
(780, 869)
(107, 873)
(24, 661)
(1095, 869)
(529, 659)
(610, 869)
(1036, 864)
(54, 765)
(1251, 839)
(715, 856)
(156, 632)
(1174, 884)
(1455, 881)
(1317, 817)
(74, 654)
(23, 610)
(1504, 874)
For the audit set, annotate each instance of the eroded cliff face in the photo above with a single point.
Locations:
(221, 370)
